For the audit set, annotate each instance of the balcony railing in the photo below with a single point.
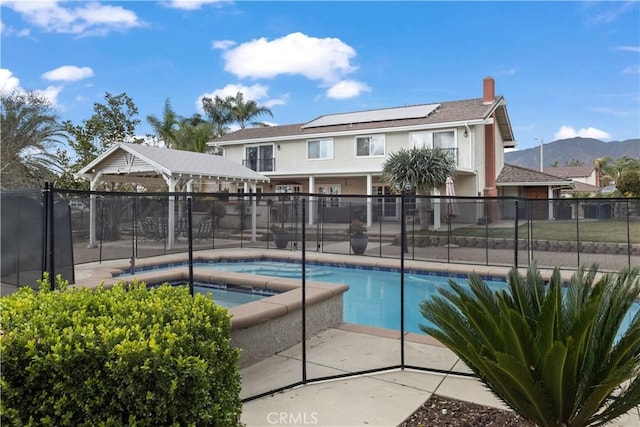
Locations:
(452, 153)
(260, 165)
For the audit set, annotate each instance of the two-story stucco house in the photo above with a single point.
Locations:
(344, 153)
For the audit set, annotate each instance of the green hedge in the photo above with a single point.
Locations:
(125, 356)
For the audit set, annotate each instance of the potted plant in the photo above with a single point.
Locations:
(358, 238)
(281, 236)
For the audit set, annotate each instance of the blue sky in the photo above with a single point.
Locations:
(566, 68)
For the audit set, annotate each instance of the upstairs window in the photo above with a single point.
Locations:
(259, 158)
(320, 149)
(370, 145)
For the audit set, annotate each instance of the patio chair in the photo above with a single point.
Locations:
(149, 229)
(203, 230)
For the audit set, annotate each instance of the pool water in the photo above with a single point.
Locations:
(373, 298)
(227, 298)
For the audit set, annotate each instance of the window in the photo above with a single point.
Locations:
(420, 139)
(320, 149)
(370, 145)
(330, 200)
(445, 140)
(259, 158)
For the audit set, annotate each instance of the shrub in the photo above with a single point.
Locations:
(556, 358)
(126, 356)
(356, 228)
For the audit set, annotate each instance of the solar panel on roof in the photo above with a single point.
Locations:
(398, 113)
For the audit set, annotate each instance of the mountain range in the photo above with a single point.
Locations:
(573, 151)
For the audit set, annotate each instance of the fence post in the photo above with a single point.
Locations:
(403, 238)
(515, 243)
(190, 234)
(51, 251)
(45, 225)
(628, 234)
(304, 294)
(577, 234)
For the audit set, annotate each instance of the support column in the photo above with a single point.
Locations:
(436, 210)
(312, 200)
(369, 200)
(92, 211)
(171, 219)
(254, 215)
(551, 213)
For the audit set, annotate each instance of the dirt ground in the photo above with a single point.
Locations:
(439, 411)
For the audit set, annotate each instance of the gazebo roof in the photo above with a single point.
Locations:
(127, 162)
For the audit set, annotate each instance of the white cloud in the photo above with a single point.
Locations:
(347, 89)
(277, 101)
(635, 49)
(566, 132)
(87, 19)
(51, 93)
(506, 72)
(327, 60)
(631, 69)
(222, 44)
(8, 82)
(68, 73)
(10, 31)
(254, 92)
(190, 4)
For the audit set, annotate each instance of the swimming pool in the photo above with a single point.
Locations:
(373, 298)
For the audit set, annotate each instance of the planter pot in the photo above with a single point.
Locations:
(281, 239)
(359, 243)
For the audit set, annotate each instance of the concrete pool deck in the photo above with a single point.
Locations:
(379, 399)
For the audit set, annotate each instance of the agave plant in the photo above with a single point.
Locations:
(557, 357)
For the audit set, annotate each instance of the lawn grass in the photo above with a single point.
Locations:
(606, 231)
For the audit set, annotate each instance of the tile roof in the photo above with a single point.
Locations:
(452, 111)
(570, 171)
(517, 174)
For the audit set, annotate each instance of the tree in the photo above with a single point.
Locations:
(556, 357)
(574, 162)
(421, 169)
(219, 112)
(243, 112)
(166, 127)
(30, 131)
(112, 122)
(193, 134)
(611, 171)
(629, 183)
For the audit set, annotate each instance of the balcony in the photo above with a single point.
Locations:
(260, 165)
(452, 154)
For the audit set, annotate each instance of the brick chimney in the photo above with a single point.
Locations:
(488, 90)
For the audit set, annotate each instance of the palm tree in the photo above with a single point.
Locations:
(557, 357)
(612, 171)
(29, 132)
(245, 111)
(193, 134)
(421, 169)
(220, 113)
(165, 128)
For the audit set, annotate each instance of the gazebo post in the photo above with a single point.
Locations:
(254, 218)
(171, 220)
(92, 211)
